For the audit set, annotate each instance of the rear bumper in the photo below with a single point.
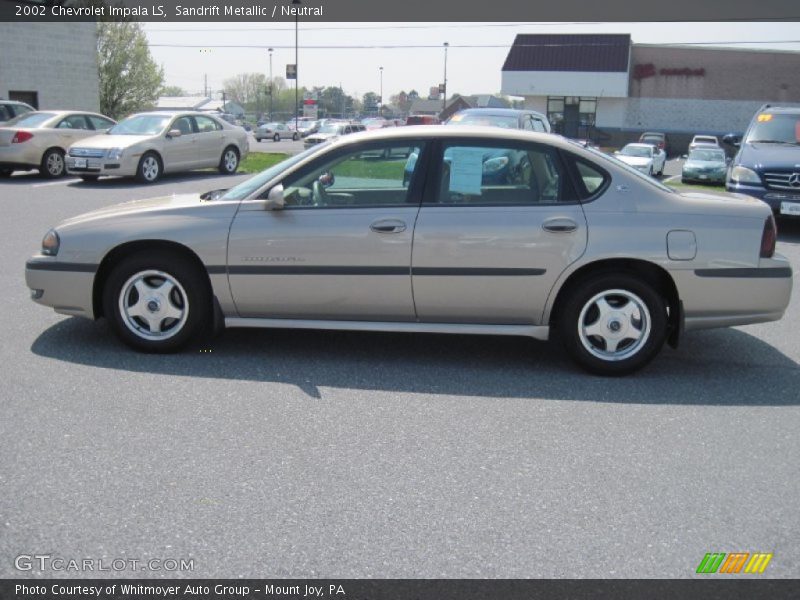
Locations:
(726, 297)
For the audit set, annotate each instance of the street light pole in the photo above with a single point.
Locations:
(380, 105)
(270, 84)
(444, 95)
(296, 74)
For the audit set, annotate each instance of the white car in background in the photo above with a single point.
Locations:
(645, 158)
(147, 145)
(704, 141)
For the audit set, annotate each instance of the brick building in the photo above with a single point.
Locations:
(50, 65)
(608, 89)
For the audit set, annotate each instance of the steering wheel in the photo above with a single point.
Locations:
(318, 194)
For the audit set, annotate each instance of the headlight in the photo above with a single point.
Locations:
(50, 243)
(493, 165)
(115, 153)
(744, 175)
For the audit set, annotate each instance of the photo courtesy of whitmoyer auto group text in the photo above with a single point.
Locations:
(419, 300)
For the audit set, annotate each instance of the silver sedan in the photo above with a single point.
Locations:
(147, 145)
(485, 231)
(39, 139)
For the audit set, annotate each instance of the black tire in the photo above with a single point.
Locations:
(190, 296)
(90, 178)
(276, 137)
(150, 168)
(4, 173)
(635, 322)
(295, 137)
(53, 165)
(229, 162)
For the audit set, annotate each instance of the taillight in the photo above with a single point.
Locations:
(21, 136)
(769, 238)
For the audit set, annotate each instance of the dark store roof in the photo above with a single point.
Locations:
(569, 52)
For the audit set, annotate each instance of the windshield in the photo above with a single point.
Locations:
(707, 155)
(30, 119)
(487, 120)
(640, 151)
(244, 189)
(778, 129)
(330, 129)
(141, 125)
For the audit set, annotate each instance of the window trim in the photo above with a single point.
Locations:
(433, 183)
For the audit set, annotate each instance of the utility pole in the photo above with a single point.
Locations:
(205, 85)
(270, 84)
(296, 83)
(444, 95)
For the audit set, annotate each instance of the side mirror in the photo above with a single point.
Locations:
(327, 179)
(732, 139)
(174, 133)
(275, 199)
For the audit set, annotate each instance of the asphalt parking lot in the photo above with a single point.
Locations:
(330, 454)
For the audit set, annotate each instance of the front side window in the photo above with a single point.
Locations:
(73, 122)
(184, 125)
(502, 175)
(378, 175)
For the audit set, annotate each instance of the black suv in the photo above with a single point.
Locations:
(767, 164)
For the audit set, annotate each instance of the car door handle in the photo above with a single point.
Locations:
(388, 226)
(560, 225)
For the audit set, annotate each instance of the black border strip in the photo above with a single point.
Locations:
(342, 270)
(746, 273)
(61, 266)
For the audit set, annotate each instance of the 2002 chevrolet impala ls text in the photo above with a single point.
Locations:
(494, 231)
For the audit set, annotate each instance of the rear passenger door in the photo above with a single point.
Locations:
(499, 223)
(210, 140)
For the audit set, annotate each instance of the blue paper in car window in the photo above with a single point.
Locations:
(466, 169)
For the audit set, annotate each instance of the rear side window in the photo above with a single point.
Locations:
(591, 179)
(100, 122)
(5, 114)
(517, 174)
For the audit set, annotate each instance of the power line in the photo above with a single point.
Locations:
(365, 28)
(424, 46)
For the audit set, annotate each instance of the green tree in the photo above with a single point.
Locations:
(172, 90)
(129, 77)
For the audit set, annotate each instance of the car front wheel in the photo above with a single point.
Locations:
(613, 324)
(149, 169)
(157, 303)
(53, 164)
(276, 137)
(229, 161)
(295, 137)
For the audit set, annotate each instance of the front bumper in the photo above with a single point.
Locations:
(774, 198)
(125, 166)
(64, 287)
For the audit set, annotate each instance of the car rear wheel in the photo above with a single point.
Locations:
(157, 303)
(53, 165)
(295, 137)
(149, 169)
(276, 137)
(613, 324)
(229, 161)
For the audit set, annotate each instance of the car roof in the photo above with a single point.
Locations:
(465, 131)
(784, 110)
(656, 133)
(499, 112)
(174, 113)
(639, 145)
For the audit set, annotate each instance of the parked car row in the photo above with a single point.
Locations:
(144, 145)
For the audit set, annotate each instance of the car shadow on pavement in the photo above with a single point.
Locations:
(718, 367)
(789, 231)
(166, 179)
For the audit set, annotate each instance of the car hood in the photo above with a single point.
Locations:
(111, 141)
(773, 156)
(149, 205)
(634, 160)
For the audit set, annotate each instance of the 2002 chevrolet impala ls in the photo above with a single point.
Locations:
(455, 230)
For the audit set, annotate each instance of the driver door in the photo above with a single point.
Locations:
(341, 246)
